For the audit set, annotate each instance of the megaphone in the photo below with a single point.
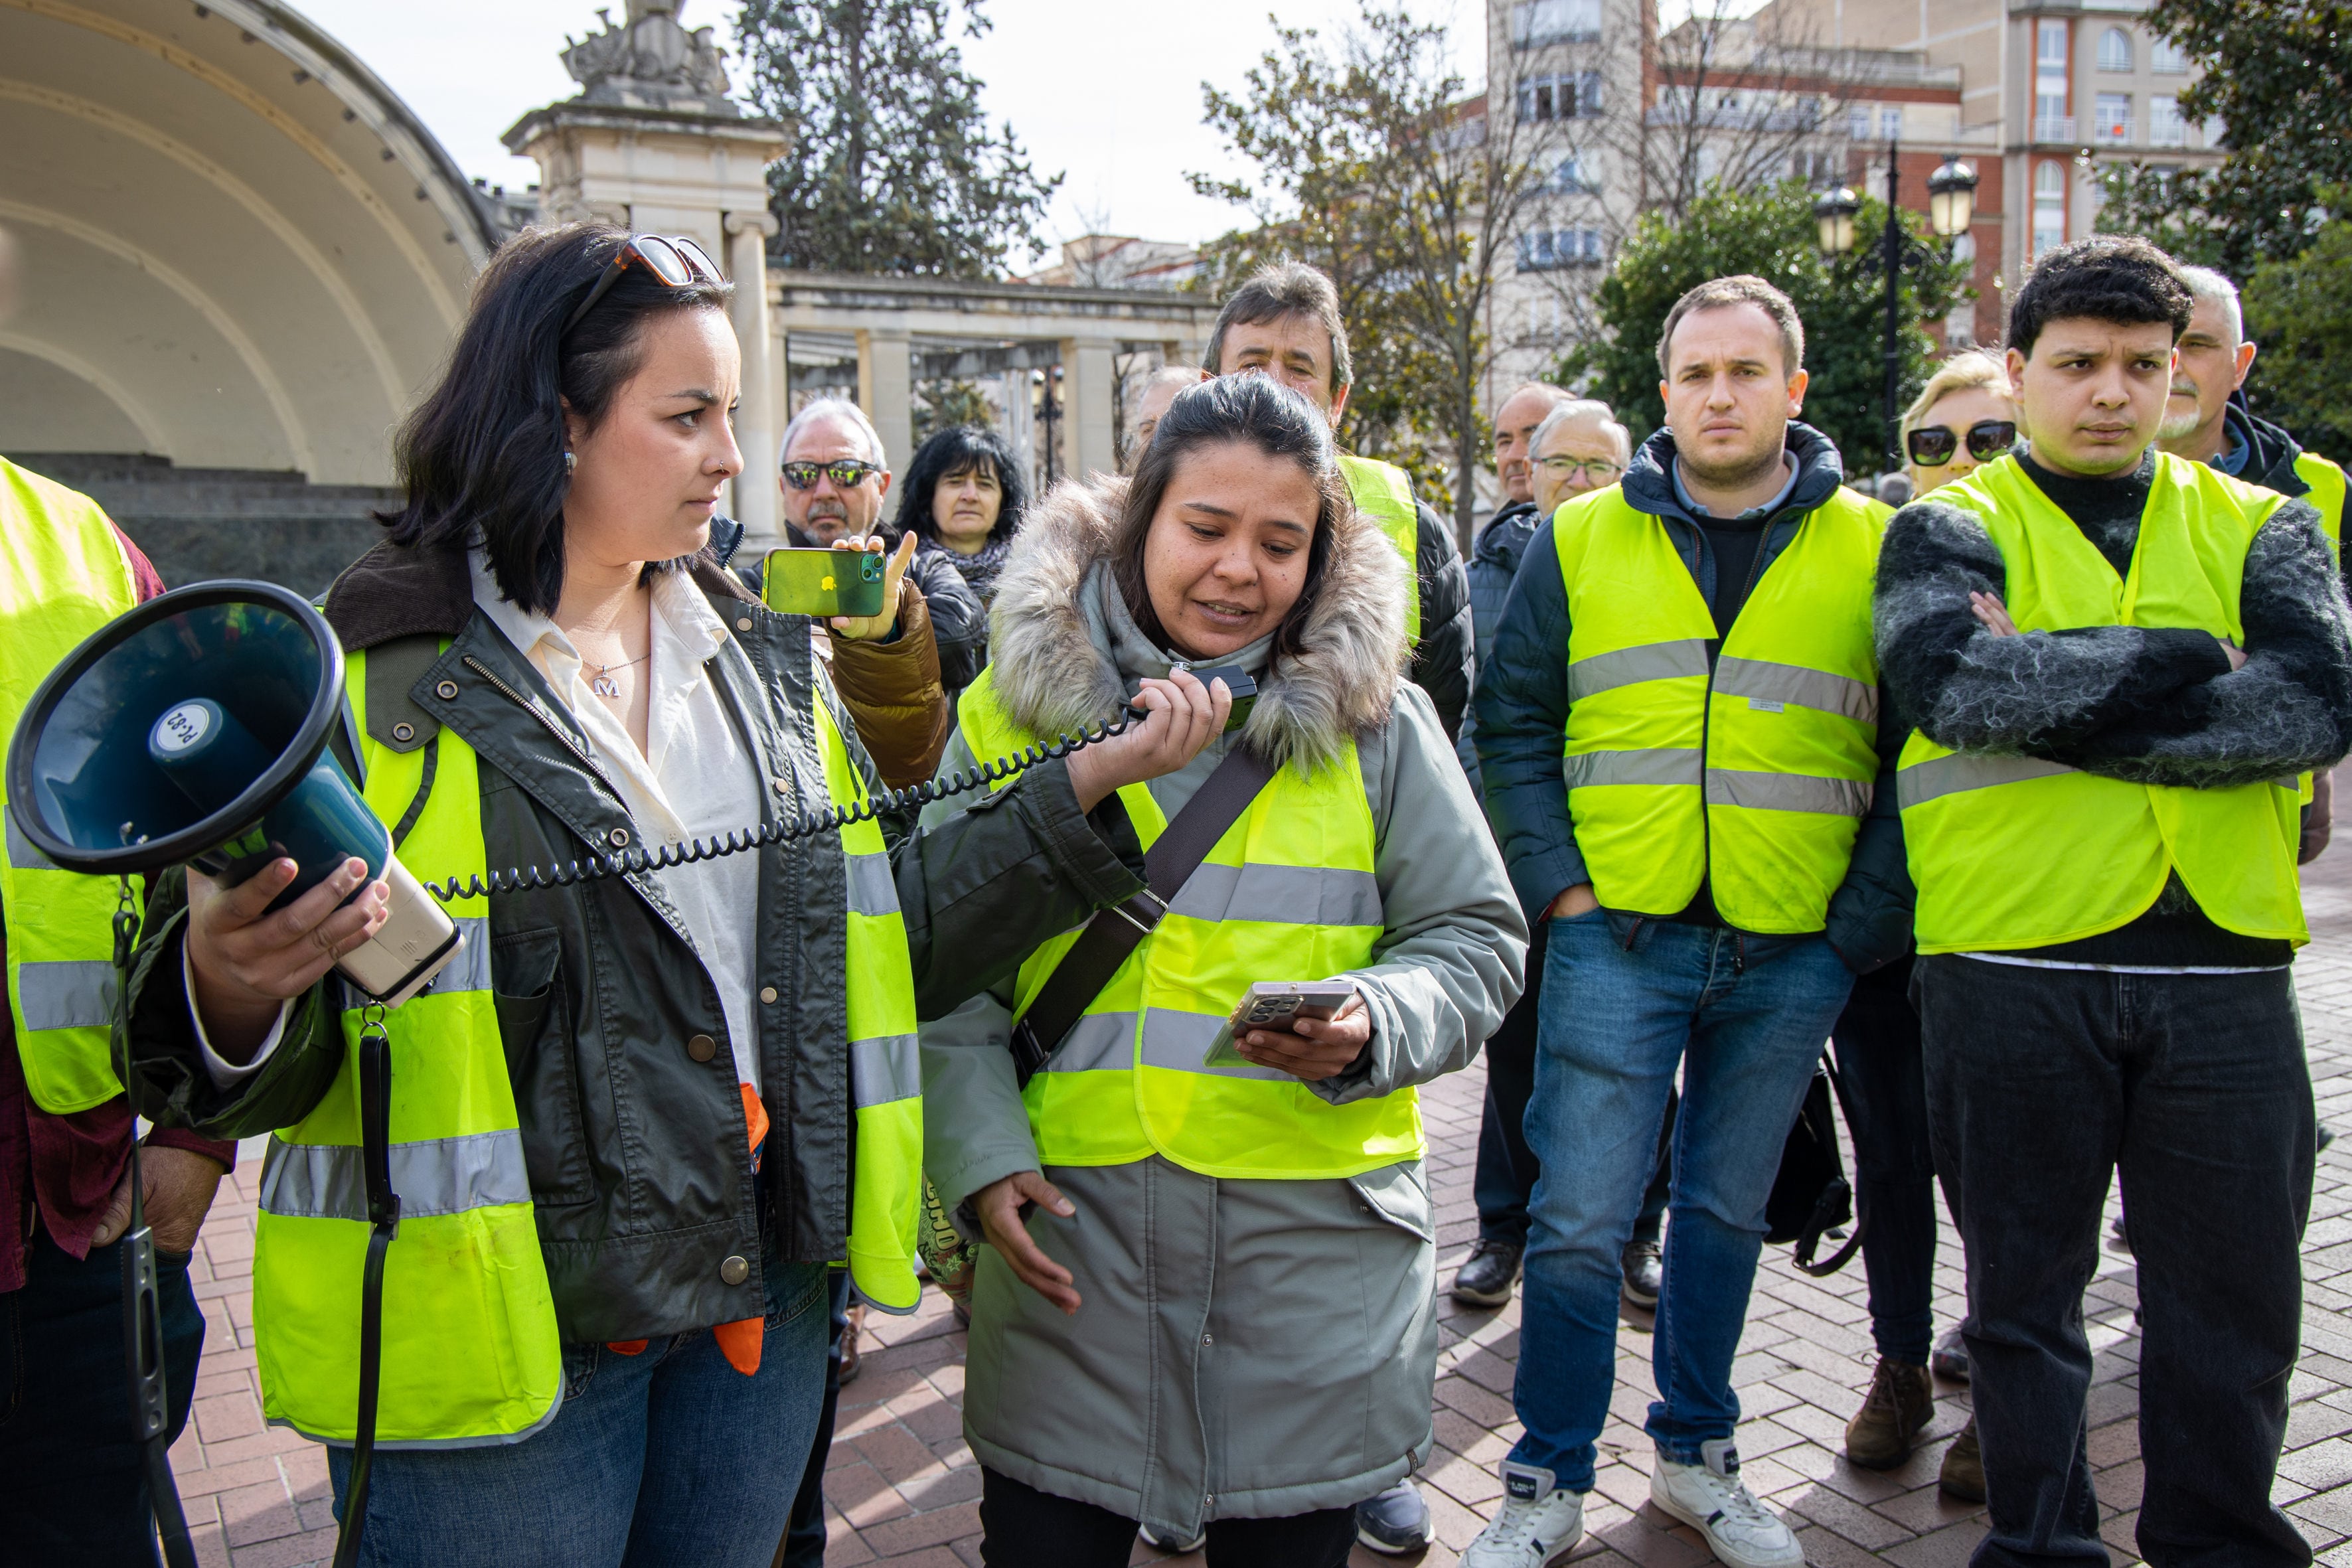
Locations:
(193, 730)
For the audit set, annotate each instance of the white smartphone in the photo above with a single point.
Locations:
(1273, 1005)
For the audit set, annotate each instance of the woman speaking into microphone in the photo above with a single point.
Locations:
(1206, 1299)
(636, 1121)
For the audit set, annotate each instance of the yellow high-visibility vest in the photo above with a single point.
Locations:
(2016, 852)
(1289, 893)
(63, 574)
(1383, 492)
(1753, 770)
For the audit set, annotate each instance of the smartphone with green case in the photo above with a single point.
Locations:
(824, 582)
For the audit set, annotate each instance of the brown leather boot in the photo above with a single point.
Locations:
(1963, 1473)
(1901, 1401)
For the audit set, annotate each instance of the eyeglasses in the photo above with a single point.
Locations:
(1932, 445)
(1598, 471)
(674, 260)
(845, 475)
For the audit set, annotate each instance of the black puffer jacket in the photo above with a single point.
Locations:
(1442, 659)
(638, 1153)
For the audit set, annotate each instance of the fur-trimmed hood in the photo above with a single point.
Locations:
(1064, 652)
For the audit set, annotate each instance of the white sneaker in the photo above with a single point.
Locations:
(1711, 1498)
(1539, 1524)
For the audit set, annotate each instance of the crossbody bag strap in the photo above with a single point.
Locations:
(1116, 931)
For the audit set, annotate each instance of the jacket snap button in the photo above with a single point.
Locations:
(742, 623)
(702, 1047)
(618, 837)
(446, 691)
(404, 731)
(1208, 1339)
(767, 993)
(783, 786)
(734, 1271)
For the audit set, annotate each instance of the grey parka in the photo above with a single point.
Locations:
(1246, 1348)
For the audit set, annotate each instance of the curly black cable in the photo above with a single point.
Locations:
(802, 825)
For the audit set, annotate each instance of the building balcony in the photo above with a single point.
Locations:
(2054, 128)
(2112, 132)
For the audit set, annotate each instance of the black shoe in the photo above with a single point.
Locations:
(2323, 1138)
(1645, 1271)
(1396, 1522)
(1949, 1359)
(1485, 1279)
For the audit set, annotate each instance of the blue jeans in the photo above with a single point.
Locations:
(668, 1455)
(1745, 1018)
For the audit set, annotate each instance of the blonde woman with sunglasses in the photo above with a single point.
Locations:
(1963, 416)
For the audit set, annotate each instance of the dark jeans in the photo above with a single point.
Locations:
(1885, 1083)
(73, 1483)
(2040, 1084)
(1024, 1528)
(803, 1544)
(1506, 1170)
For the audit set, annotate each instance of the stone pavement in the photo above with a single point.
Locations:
(903, 1488)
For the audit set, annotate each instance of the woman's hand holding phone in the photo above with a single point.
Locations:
(1311, 1050)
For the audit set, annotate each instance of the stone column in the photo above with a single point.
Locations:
(1089, 385)
(759, 418)
(886, 390)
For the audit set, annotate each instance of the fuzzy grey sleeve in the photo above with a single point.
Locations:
(1971, 690)
(2288, 711)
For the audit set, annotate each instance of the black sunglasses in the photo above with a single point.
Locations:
(674, 260)
(845, 475)
(1932, 445)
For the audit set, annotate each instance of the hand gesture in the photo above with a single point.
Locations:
(998, 1204)
(873, 629)
(247, 962)
(1182, 717)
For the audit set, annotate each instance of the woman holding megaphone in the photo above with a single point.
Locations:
(1206, 1303)
(632, 1123)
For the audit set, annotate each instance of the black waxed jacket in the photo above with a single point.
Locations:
(637, 1151)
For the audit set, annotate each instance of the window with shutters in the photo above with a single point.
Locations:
(1570, 95)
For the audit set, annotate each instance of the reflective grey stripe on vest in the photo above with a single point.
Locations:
(1629, 666)
(22, 852)
(872, 891)
(1762, 680)
(887, 1067)
(1097, 1042)
(470, 969)
(1178, 1041)
(1658, 765)
(433, 1176)
(1291, 895)
(1789, 792)
(1964, 771)
(77, 995)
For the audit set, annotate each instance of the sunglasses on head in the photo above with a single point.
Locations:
(845, 475)
(1932, 445)
(672, 259)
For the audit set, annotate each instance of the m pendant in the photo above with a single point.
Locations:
(605, 686)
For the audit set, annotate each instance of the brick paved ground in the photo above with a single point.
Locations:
(903, 1486)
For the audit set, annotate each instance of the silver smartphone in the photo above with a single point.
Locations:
(1275, 1005)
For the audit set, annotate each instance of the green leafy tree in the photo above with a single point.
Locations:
(944, 404)
(894, 167)
(2302, 308)
(1372, 165)
(1771, 233)
(2271, 72)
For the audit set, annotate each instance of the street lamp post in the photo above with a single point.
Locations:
(1951, 203)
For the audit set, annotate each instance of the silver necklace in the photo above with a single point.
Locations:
(602, 684)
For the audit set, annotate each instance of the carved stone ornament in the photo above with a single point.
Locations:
(650, 61)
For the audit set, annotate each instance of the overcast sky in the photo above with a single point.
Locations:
(1109, 93)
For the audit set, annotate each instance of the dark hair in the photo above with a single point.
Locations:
(2115, 277)
(958, 449)
(1278, 422)
(1739, 288)
(484, 452)
(1285, 289)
